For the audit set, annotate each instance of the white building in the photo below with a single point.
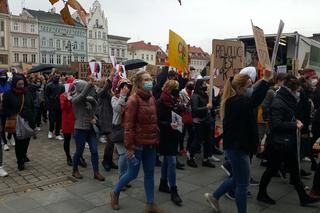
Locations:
(118, 47)
(4, 35)
(24, 39)
(198, 59)
(144, 51)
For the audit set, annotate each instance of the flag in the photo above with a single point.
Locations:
(179, 2)
(178, 53)
(66, 16)
(53, 1)
(77, 6)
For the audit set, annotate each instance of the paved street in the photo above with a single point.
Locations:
(47, 186)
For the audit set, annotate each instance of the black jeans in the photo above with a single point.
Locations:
(55, 121)
(43, 110)
(186, 128)
(316, 179)
(21, 149)
(3, 133)
(275, 157)
(66, 144)
(202, 136)
(108, 152)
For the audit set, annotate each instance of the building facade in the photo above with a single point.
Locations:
(118, 47)
(59, 43)
(146, 51)
(198, 60)
(24, 39)
(4, 35)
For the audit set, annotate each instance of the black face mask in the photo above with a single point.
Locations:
(190, 87)
(55, 80)
(205, 89)
(175, 92)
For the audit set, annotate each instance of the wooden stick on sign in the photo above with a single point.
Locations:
(211, 78)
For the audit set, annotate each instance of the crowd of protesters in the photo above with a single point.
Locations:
(134, 119)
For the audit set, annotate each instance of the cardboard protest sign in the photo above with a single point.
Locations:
(178, 54)
(276, 44)
(305, 60)
(262, 48)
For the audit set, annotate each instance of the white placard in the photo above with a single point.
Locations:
(113, 61)
(67, 91)
(178, 120)
(96, 70)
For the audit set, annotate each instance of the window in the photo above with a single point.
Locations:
(51, 59)
(151, 58)
(75, 45)
(58, 44)
(32, 28)
(90, 33)
(16, 42)
(3, 59)
(99, 35)
(15, 26)
(58, 59)
(2, 41)
(33, 43)
(16, 57)
(24, 42)
(44, 42)
(142, 56)
(95, 34)
(33, 58)
(44, 59)
(69, 59)
(112, 52)
(99, 49)
(90, 48)
(63, 45)
(82, 46)
(95, 48)
(104, 48)
(97, 22)
(118, 53)
(104, 36)
(75, 58)
(123, 53)
(1, 25)
(25, 58)
(51, 42)
(64, 60)
(147, 57)
(82, 58)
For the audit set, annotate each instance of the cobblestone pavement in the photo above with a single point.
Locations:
(47, 186)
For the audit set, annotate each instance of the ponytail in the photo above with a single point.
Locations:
(228, 92)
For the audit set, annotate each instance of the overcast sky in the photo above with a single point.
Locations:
(197, 21)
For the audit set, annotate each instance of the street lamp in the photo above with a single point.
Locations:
(70, 47)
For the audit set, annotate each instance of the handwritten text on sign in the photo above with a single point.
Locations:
(262, 48)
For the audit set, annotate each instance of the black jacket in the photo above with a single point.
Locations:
(200, 110)
(240, 130)
(12, 104)
(169, 138)
(316, 125)
(52, 93)
(303, 111)
(283, 123)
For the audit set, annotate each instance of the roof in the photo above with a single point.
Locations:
(118, 37)
(50, 17)
(4, 7)
(198, 53)
(141, 45)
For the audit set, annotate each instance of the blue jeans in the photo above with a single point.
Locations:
(122, 164)
(148, 158)
(168, 170)
(240, 163)
(81, 137)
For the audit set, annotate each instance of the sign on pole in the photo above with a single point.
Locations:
(276, 44)
(305, 60)
(262, 48)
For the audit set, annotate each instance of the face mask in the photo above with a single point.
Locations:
(314, 82)
(148, 85)
(175, 92)
(205, 88)
(249, 92)
(297, 94)
(190, 87)
(56, 79)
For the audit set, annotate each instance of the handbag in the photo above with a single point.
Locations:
(23, 130)
(117, 134)
(11, 123)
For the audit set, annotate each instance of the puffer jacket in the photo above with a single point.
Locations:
(140, 121)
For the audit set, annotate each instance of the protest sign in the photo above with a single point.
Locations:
(305, 60)
(96, 70)
(177, 119)
(276, 44)
(262, 48)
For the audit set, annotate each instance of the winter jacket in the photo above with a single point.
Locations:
(140, 121)
(283, 123)
(316, 125)
(240, 130)
(168, 137)
(12, 104)
(303, 111)
(68, 118)
(200, 112)
(105, 108)
(52, 93)
(117, 104)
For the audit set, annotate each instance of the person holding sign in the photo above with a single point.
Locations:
(240, 135)
(169, 138)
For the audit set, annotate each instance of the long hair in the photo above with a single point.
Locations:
(198, 87)
(230, 87)
(137, 79)
(170, 85)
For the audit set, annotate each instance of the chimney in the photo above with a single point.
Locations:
(316, 36)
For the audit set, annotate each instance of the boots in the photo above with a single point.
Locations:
(163, 186)
(152, 208)
(175, 196)
(77, 174)
(98, 176)
(82, 162)
(114, 200)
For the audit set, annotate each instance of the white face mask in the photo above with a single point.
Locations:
(314, 82)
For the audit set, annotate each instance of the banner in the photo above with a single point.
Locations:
(262, 48)
(178, 54)
(276, 44)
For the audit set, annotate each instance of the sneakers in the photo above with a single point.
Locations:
(214, 159)
(103, 139)
(213, 202)
(306, 159)
(226, 168)
(87, 146)
(265, 199)
(50, 135)
(6, 147)
(3, 172)
(60, 138)
(208, 164)
(12, 141)
(254, 182)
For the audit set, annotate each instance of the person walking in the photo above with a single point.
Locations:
(19, 101)
(169, 138)
(84, 106)
(283, 143)
(4, 87)
(141, 136)
(240, 135)
(3, 172)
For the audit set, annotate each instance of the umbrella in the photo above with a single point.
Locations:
(41, 68)
(134, 64)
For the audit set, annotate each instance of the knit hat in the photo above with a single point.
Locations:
(79, 85)
(251, 72)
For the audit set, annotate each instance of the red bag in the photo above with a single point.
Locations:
(187, 117)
